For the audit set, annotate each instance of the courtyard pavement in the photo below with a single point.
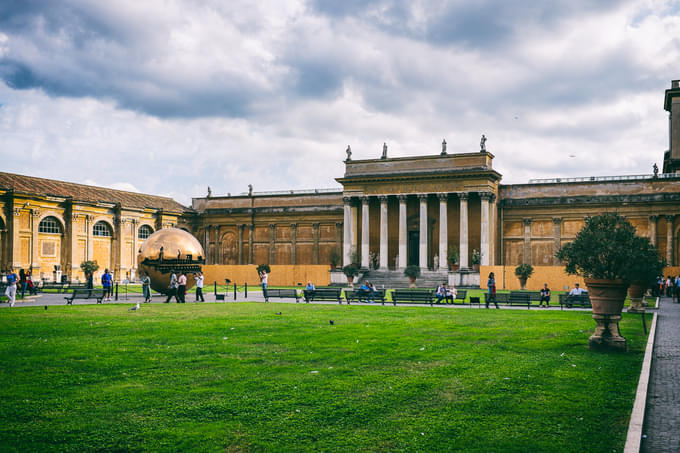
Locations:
(661, 429)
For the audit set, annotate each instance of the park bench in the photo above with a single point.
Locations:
(501, 298)
(461, 295)
(569, 301)
(60, 287)
(284, 294)
(359, 294)
(329, 294)
(413, 295)
(519, 298)
(85, 294)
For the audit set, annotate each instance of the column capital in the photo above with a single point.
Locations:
(443, 196)
(557, 220)
(272, 226)
(293, 226)
(316, 225)
(17, 212)
(463, 196)
(89, 217)
(653, 218)
(74, 217)
(402, 197)
(241, 226)
(526, 221)
(339, 224)
(347, 200)
(365, 199)
(669, 218)
(35, 212)
(382, 198)
(485, 195)
(422, 196)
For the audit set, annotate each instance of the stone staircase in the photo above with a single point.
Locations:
(397, 279)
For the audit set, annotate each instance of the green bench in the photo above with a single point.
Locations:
(413, 295)
(283, 293)
(323, 294)
(85, 294)
(358, 295)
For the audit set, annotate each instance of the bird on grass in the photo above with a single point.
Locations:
(332, 322)
(135, 308)
(278, 313)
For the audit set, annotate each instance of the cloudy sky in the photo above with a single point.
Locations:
(168, 96)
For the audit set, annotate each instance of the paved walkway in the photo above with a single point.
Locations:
(662, 416)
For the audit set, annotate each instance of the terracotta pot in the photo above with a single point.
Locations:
(350, 282)
(523, 282)
(454, 267)
(475, 267)
(412, 282)
(606, 296)
(636, 292)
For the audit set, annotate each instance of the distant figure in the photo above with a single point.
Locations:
(11, 290)
(107, 282)
(160, 254)
(349, 153)
(172, 288)
(179, 254)
(146, 282)
(209, 192)
(198, 277)
(443, 147)
(250, 190)
(22, 282)
(181, 287)
(482, 144)
(491, 285)
(384, 154)
(264, 278)
(656, 170)
(545, 296)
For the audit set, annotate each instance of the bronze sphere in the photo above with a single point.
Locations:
(168, 250)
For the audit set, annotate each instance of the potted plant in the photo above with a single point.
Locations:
(645, 269)
(523, 272)
(263, 268)
(334, 257)
(452, 258)
(89, 268)
(475, 259)
(412, 272)
(606, 253)
(350, 271)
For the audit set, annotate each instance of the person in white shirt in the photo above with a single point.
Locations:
(198, 277)
(181, 287)
(264, 277)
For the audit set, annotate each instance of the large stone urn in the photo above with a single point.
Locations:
(607, 298)
(636, 292)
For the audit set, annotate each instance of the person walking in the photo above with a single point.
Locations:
(90, 283)
(181, 287)
(11, 291)
(264, 279)
(198, 277)
(172, 288)
(107, 282)
(491, 295)
(22, 282)
(146, 286)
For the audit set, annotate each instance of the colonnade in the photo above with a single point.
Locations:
(487, 200)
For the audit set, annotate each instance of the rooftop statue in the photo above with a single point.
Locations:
(482, 144)
(349, 153)
(384, 154)
(444, 147)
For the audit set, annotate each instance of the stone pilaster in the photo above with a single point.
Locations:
(484, 244)
(338, 236)
(272, 243)
(402, 231)
(315, 247)
(251, 241)
(206, 243)
(134, 227)
(364, 232)
(463, 245)
(557, 237)
(652, 228)
(293, 243)
(527, 241)
(493, 232)
(669, 239)
(89, 224)
(347, 233)
(383, 232)
(35, 251)
(422, 252)
(241, 227)
(443, 230)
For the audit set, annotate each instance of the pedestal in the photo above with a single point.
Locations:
(607, 335)
(636, 305)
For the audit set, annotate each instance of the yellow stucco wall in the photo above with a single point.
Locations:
(281, 275)
(555, 276)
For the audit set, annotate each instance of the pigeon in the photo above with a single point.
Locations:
(135, 308)
(278, 313)
(332, 322)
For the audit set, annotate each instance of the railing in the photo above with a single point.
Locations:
(295, 192)
(604, 178)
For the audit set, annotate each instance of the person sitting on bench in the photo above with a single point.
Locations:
(575, 293)
(545, 296)
(309, 287)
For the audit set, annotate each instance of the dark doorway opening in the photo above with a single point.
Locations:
(414, 247)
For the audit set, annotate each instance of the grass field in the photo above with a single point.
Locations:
(240, 377)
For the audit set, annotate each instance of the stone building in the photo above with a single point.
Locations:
(48, 225)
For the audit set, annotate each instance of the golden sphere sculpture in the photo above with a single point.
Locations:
(168, 250)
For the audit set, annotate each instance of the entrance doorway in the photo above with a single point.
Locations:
(414, 247)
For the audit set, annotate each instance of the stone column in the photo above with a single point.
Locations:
(422, 262)
(527, 241)
(338, 236)
(443, 230)
(315, 247)
(14, 248)
(119, 223)
(364, 232)
(557, 235)
(72, 233)
(402, 231)
(89, 223)
(134, 227)
(492, 230)
(463, 245)
(251, 240)
(383, 233)
(293, 243)
(652, 228)
(272, 243)
(206, 243)
(484, 249)
(35, 252)
(241, 227)
(669, 240)
(347, 233)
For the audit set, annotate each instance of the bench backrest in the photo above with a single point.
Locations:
(412, 293)
(519, 297)
(461, 294)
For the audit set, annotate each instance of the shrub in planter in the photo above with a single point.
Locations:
(263, 268)
(334, 258)
(453, 257)
(412, 272)
(523, 272)
(350, 271)
(475, 259)
(89, 267)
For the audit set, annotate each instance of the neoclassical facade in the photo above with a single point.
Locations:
(47, 225)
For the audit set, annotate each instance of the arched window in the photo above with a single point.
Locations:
(101, 229)
(49, 225)
(144, 232)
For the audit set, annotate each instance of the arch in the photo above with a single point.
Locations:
(56, 215)
(102, 229)
(144, 231)
(50, 225)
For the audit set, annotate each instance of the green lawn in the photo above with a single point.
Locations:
(239, 377)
